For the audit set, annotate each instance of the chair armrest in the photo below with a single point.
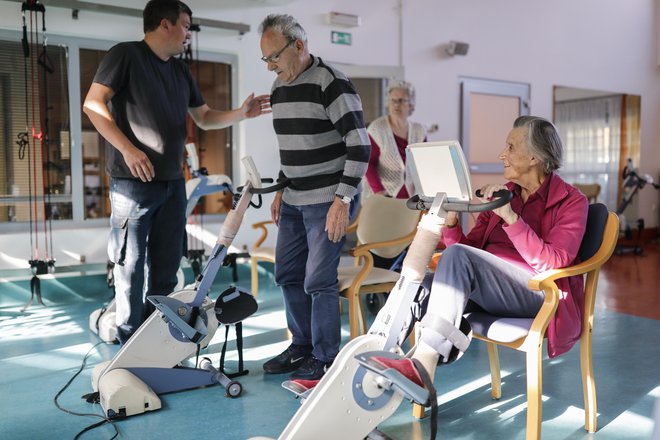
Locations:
(538, 281)
(435, 259)
(367, 264)
(545, 282)
(264, 231)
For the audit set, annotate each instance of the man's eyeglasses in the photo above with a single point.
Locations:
(400, 101)
(276, 56)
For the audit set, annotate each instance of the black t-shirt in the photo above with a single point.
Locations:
(150, 104)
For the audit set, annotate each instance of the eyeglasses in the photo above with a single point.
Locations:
(400, 101)
(276, 56)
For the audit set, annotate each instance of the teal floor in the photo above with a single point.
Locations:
(42, 348)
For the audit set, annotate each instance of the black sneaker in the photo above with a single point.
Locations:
(311, 369)
(289, 360)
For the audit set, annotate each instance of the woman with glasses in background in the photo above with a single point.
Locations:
(390, 135)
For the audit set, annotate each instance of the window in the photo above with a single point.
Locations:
(213, 146)
(35, 170)
(63, 178)
(591, 131)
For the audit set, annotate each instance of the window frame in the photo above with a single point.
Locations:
(73, 46)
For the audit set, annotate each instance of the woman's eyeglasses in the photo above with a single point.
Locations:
(400, 101)
(276, 56)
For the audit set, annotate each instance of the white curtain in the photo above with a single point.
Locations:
(591, 132)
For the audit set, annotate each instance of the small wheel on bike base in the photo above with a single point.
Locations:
(234, 389)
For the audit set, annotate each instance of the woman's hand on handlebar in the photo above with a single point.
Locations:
(451, 219)
(275, 208)
(505, 212)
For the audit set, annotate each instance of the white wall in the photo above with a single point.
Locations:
(597, 44)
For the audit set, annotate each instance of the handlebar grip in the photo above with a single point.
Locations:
(498, 193)
(417, 203)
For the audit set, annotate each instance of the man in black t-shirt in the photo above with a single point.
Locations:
(139, 102)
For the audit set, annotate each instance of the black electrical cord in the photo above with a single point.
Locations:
(104, 419)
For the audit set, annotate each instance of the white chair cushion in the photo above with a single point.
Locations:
(498, 328)
(347, 274)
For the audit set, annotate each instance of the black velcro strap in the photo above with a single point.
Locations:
(433, 396)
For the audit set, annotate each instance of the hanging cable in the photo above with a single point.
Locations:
(36, 121)
(45, 68)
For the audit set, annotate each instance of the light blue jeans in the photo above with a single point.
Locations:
(306, 270)
(146, 244)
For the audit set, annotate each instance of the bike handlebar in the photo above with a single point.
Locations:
(421, 203)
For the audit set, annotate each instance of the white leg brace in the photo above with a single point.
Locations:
(449, 341)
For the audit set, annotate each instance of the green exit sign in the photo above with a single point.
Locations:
(341, 38)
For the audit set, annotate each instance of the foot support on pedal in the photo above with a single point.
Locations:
(301, 388)
(392, 378)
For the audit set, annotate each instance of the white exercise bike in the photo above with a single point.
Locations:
(356, 395)
(184, 322)
(102, 320)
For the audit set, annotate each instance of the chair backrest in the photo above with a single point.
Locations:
(593, 234)
(591, 190)
(385, 218)
(600, 237)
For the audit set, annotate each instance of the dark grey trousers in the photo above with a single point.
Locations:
(467, 273)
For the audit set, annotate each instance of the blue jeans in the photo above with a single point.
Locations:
(306, 270)
(146, 244)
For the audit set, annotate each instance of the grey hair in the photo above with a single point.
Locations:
(284, 24)
(404, 85)
(543, 141)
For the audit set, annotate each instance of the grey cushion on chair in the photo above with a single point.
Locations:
(498, 328)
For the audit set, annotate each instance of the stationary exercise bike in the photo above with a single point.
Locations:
(184, 322)
(102, 320)
(632, 183)
(355, 396)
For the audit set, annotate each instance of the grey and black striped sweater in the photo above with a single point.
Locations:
(321, 134)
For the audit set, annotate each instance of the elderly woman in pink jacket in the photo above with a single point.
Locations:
(540, 229)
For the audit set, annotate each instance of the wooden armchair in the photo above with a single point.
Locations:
(260, 253)
(527, 335)
(386, 227)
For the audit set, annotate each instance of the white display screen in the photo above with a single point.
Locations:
(439, 167)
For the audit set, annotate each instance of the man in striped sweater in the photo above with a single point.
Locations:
(324, 151)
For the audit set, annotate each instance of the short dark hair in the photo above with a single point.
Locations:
(543, 141)
(156, 10)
